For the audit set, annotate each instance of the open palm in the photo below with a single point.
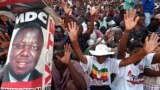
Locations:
(151, 43)
(67, 53)
(130, 19)
(94, 10)
(67, 9)
(73, 31)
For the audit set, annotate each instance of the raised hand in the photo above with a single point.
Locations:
(4, 43)
(67, 9)
(130, 19)
(94, 10)
(151, 43)
(67, 53)
(73, 31)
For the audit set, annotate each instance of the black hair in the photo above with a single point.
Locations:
(153, 26)
(62, 30)
(58, 52)
(103, 29)
(140, 14)
(134, 44)
(31, 25)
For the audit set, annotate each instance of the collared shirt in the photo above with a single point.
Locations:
(12, 79)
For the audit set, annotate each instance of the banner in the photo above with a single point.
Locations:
(19, 6)
(29, 60)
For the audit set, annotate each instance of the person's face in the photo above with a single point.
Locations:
(109, 35)
(60, 66)
(4, 18)
(141, 20)
(138, 9)
(117, 35)
(25, 51)
(101, 59)
(81, 12)
(88, 25)
(59, 34)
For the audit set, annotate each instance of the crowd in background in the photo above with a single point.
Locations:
(118, 28)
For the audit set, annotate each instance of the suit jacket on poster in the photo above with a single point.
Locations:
(34, 75)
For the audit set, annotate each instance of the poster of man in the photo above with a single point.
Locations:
(29, 60)
(26, 50)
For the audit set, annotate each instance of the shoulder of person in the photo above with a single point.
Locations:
(77, 65)
(74, 62)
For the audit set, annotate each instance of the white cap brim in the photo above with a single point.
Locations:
(101, 53)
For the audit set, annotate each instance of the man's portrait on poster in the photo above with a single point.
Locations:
(25, 53)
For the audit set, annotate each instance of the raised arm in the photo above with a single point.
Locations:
(130, 20)
(78, 80)
(73, 35)
(156, 58)
(68, 13)
(93, 17)
(151, 73)
(149, 46)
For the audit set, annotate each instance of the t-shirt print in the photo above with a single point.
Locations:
(100, 75)
(136, 79)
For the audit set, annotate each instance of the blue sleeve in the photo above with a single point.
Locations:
(143, 2)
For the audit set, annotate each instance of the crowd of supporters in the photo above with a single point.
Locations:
(101, 45)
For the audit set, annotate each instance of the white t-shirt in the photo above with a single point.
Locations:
(84, 25)
(130, 77)
(93, 35)
(99, 74)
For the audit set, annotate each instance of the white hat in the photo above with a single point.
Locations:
(101, 50)
(8, 14)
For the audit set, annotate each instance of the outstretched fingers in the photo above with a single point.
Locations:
(151, 43)
(154, 37)
(73, 26)
(67, 48)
